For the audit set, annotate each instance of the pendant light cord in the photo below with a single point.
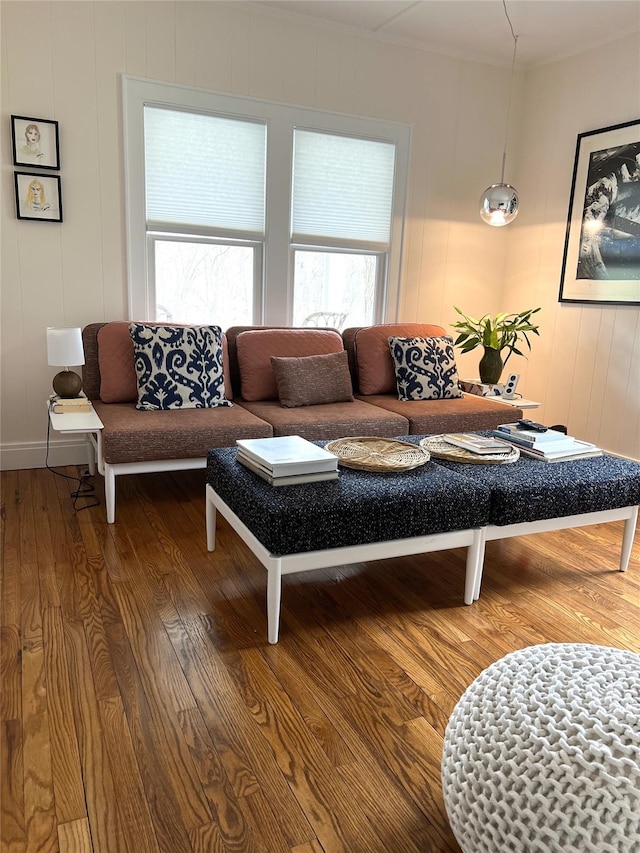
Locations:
(513, 65)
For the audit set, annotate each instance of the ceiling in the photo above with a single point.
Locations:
(547, 30)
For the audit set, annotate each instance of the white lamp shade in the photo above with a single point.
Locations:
(64, 346)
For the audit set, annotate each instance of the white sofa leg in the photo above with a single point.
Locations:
(110, 492)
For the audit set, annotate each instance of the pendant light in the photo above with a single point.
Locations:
(499, 202)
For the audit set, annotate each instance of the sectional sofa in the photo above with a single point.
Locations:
(357, 396)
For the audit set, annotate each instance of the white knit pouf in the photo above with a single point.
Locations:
(542, 753)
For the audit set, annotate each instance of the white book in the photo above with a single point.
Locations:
(530, 435)
(287, 455)
(582, 450)
(563, 442)
(574, 445)
(477, 443)
(292, 480)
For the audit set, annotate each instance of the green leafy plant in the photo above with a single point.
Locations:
(499, 332)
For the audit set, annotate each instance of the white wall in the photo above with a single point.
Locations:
(587, 371)
(63, 61)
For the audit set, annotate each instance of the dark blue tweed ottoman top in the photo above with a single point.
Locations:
(530, 490)
(356, 509)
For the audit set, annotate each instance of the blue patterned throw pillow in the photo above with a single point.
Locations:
(178, 367)
(425, 368)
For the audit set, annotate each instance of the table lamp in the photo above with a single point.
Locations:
(64, 347)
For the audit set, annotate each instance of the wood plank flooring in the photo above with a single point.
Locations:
(142, 709)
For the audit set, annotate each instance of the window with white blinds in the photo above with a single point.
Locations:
(204, 170)
(247, 211)
(342, 189)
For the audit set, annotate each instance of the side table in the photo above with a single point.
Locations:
(84, 423)
(474, 386)
(516, 402)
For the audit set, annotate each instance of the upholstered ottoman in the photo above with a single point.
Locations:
(358, 517)
(531, 496)
(542, 753)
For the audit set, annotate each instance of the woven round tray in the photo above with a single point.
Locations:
(380, 455)
(441, 449)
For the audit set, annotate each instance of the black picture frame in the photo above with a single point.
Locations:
(38, 197)
(601, 261)
(35, 142)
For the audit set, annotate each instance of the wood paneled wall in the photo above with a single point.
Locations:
(64, 60)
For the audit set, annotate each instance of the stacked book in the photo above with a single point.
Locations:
(548, 446)
(287, 460)
(481, 444)
(73, 405)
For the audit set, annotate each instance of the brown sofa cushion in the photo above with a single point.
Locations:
(313, 379)
(255, 348)
(334, 420)
(432, 417)
(376, 374)
(118, 380)
(131, 435)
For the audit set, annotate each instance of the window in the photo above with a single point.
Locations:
(342, 196)
(200, 281)
(243, 211)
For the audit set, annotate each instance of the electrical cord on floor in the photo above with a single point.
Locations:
(84, 490)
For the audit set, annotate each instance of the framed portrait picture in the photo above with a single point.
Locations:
(38, 197)
(601, 260)
(35, 142)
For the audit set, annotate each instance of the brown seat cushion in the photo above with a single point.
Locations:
(131, 435)
(432, 417)
(334, 420)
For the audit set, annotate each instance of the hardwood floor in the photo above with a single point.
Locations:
(142, 709)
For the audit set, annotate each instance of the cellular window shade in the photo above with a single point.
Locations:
(342, 188)
(204, 170)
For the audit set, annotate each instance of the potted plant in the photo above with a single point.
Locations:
(495, 334)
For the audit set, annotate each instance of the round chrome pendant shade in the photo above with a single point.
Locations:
(499, 204)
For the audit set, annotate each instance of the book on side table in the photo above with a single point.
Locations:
(287, 460)
(74, 405)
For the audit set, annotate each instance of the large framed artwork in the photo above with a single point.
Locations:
(601, 260)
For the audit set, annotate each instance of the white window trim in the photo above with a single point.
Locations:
(277, 303)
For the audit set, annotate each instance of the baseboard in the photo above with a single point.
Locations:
(15, 456)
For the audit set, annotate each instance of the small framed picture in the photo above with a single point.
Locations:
(35, 142)
(38, 197)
